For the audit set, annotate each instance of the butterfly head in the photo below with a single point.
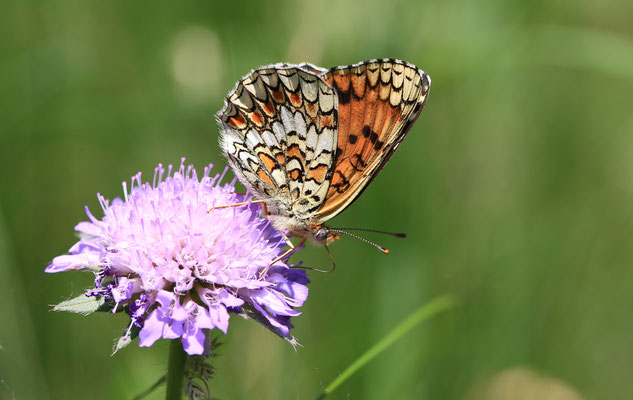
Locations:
(318, 234)
(323, 235)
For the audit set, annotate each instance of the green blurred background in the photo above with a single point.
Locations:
(515, 187)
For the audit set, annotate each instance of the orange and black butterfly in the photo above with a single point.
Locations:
(307, 141)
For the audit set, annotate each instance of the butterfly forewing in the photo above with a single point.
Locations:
(377, 103)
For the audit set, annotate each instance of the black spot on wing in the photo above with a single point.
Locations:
(344, 96)
(373, 137)
(367, 132)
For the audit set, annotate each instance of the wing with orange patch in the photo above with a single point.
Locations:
(378, 102)
(279, 134)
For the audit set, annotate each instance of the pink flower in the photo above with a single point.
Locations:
(179, 270)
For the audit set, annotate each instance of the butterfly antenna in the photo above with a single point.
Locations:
(320, 270)
(400, 235)
(386, 251)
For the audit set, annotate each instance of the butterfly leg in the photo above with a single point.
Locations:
(244, 203)
(284, 255)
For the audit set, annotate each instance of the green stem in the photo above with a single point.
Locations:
(175, 371)
(423, 313)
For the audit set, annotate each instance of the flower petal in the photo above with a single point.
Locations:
(88, 228)
(72, 262)
(219, 317)
(193, 343)
(153, 328)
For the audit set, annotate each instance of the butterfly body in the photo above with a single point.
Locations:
(308, 141)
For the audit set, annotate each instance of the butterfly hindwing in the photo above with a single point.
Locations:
(279, 129)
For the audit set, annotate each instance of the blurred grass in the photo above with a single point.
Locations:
(422, 314)
(514, 186)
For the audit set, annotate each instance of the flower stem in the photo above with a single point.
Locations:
(175, 371)
(422, 314)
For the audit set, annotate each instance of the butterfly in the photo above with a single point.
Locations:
(307, 141)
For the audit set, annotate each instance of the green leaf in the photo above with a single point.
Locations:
(82, 304)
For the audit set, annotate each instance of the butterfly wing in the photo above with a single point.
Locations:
(279, 129)
(378, 101)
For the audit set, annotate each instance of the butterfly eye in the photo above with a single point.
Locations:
(321, 235)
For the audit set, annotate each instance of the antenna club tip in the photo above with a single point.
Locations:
(386, 251)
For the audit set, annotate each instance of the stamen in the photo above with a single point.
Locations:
(125, 189)
(161, 172)
(155, 174)
(102, 201)
(207, 170)
(223, 173)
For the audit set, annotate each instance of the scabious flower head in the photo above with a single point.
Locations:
(178, 269)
